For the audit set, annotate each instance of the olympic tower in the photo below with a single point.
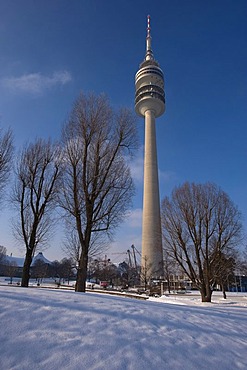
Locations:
(150, 104)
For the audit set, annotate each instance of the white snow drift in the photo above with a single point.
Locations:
(54, 329)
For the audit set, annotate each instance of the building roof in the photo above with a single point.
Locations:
(19, 261)
(40, 257)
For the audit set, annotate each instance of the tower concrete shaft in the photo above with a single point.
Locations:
(152, 254)
(150, 103)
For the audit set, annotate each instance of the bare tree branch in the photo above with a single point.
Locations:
(201, 228)
(38, 173)
(97, 185)
(6, 152)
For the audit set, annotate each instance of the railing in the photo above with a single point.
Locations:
(150, 94)
(155, 71)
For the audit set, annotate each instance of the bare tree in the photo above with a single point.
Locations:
(54, 271)
(35, 196)
(200, 222)
(169, 268)
(71, 244)
(67, 269)
(97, 184)
(3, 252)
(242, 261)
(223, 269)
(6, 151)
(39, 270)
(72, 247)
(146, 273)
(10, 269)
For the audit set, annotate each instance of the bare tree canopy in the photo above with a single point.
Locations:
(97, 184)
(99, 243)
(35, 195)
(3, 253)
(6, 151)
(201, 229)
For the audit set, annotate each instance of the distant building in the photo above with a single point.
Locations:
(18, 263)
(239, 284)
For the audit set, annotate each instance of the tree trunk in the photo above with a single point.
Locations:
(82, 274)
(26, 269)
(169, 286)
(206, 293)
(223, 290)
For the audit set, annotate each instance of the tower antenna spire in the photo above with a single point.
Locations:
(148, 27)
(149, 53)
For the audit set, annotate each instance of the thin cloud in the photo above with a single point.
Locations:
(134, 220)
(166, 177)
(36, 83)
(136, 167)
(137, 170)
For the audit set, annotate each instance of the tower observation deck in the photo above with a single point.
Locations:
(150, 104)
(149, 83)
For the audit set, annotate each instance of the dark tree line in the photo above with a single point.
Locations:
(61, 271)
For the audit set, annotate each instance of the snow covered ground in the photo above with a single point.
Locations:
(56, 329)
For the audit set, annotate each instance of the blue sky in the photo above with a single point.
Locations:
(52, 50)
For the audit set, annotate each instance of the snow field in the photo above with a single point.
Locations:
(54, 329)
